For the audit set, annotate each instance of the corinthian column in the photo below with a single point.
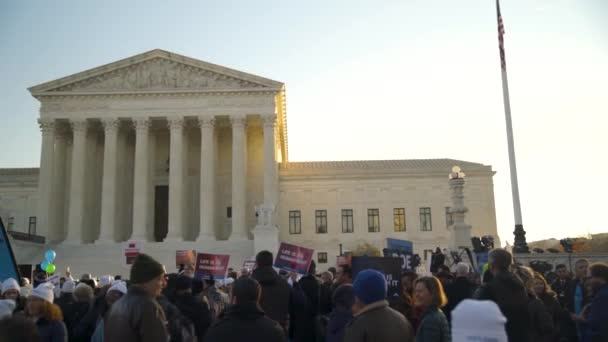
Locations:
(45, 181)
(239, 174)
(141, 186)
(207, 196)
(59, 185)
(108, 183)
(176, 179)
(270, 162)
(77, 193)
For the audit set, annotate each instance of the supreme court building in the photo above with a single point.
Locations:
(179, 154)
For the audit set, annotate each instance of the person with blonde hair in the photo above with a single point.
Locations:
(47, 316)
(434, 326)
(549, 298)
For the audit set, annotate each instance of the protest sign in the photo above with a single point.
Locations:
(293, 258)
(391, 267)
(185, 257)
(343, 260)
(211, 265)
(249, 264)
(8, 266)
(402, 245)
(55, 280)
(131, 250)
(402, 249)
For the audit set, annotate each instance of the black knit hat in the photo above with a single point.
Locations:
(145, 269)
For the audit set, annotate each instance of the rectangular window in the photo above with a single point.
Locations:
(399, 219)
(373, 220)
(322, 257)
(425, 220)
(229, 212)
(321, 221)
(347, 221)
(449, 220)
(31, 229)
(11, 223)
(295, 222)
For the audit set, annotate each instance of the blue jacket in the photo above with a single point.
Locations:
(596, 327)
(338, 319)
(433, 327)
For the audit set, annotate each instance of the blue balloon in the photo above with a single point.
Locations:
(44, 264)
(50, 255)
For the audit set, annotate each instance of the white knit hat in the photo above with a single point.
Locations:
(105, 280)
(68, 286)
(6, 308)
(44, 291)
(10, 284)
(228, 281)
(119, 286)
(478, 320)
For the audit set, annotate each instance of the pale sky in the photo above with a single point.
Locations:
(366, 80)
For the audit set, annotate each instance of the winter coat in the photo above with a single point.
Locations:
(460, 289)
(377, 322)
(180, 327)
(73, 313)
(556, 312)
(596, 326)
(571, 294)
(561, 287)
(245, 322)
(434, 327)
(540, 320)
(51, 331)
(304, 317)
(325, 299)
(338, 319)
(196, 310)
(276, 294)
(136, 317)
(88, 324)
(508, 292)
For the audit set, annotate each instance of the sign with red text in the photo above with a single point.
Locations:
(211, 265)
(293, 258)
(131, 250)
(187, 257)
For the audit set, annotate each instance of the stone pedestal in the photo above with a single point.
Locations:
(460, 231)
(265, 233)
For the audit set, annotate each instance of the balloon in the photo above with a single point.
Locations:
(50, 255)
(50, 268)
(485, 268)
(44, 264)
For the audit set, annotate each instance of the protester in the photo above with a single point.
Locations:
(76, 310)
(576, 294)
(560, 285)
(478, 320)
(549, 298)
(407, 282)
(216, 299)
(11, 290)
(276, 292)
(326, 292)
(596, 326)
(245, 272)
(434, 325)
(6, 308)
(343, 299)
(305, 325)
(374, 320)
(137, 316)
(47, 316)
(541, 323)
(192, 307)
(244, 320)
(344, 275)
(18, 329)
(460, 289)
(26, 289)
(508, 292)
(113, 294)
(333, 271)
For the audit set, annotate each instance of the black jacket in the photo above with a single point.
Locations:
(541, 321)
(325, 300)
(508, 292)
(245, 322)
(571, 292)
(560, 288)
(73, 313)
(275, 294)
(196, 310)
(460, 289)
(304, 324)
(86, 327)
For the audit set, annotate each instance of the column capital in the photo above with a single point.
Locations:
(141, 124)
(206, 122)
(269, 120)
(176, 123)
(238, 121)
(79, 125)
(110, 125)
(47, 126)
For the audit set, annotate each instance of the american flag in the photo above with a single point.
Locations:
(501, 41)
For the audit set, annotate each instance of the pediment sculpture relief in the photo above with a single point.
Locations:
(158, 74)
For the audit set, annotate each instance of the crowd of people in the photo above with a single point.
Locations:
(510, 302)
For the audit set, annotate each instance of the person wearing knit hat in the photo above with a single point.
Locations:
(373, 319)
(478, 320)
(48, 316)
(6, 308)
(117, 290)
(105, 280)
(138, 316)
(10, 289)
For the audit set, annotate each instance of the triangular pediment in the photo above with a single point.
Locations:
(156, 70)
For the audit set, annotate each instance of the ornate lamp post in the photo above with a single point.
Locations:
(461, 232)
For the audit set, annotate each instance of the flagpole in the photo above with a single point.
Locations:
(519, 245)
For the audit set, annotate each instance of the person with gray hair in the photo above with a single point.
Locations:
(460, 289)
